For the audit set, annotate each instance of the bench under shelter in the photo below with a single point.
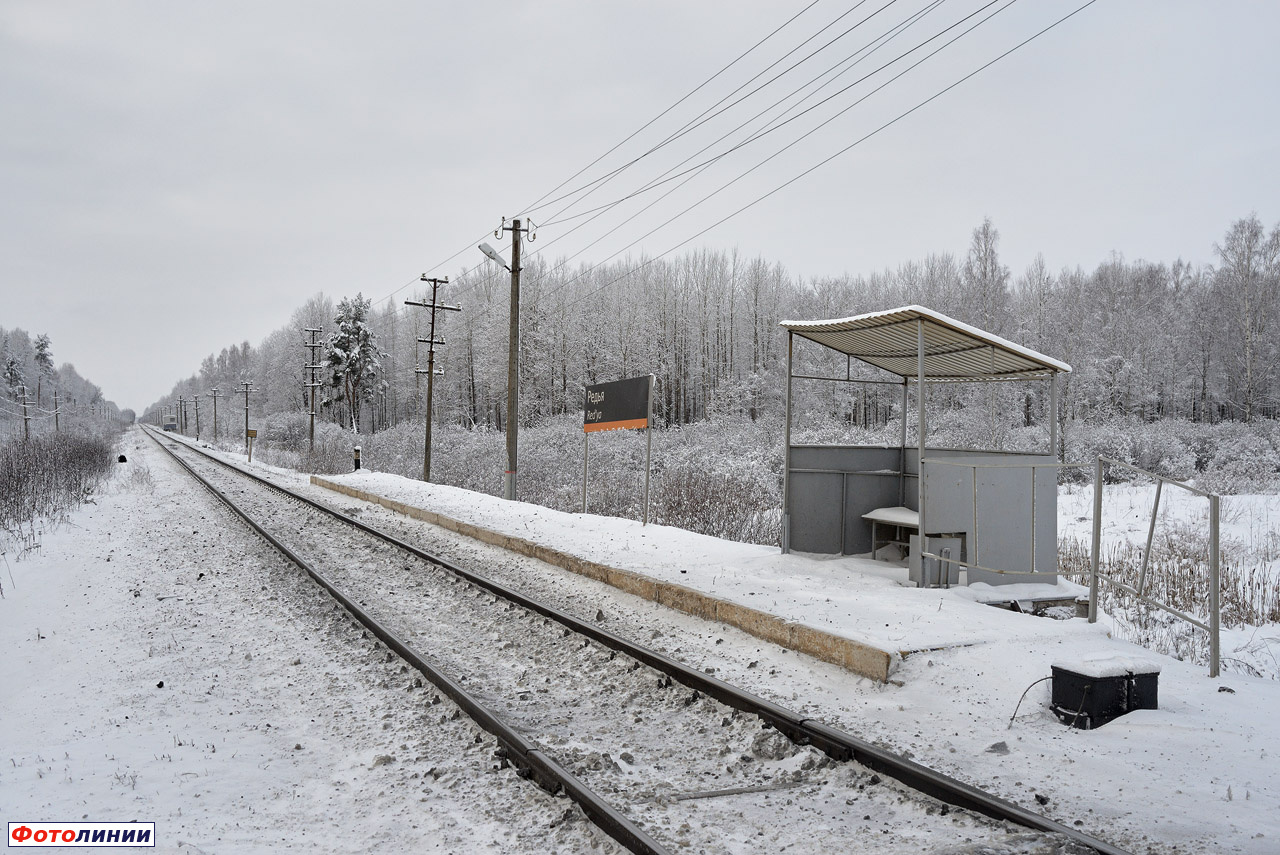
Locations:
(990, 513)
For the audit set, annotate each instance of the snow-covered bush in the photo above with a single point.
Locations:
(730, 504)
(1161, 447)
(287, 429)
(1242, 462)
(49, 475)
(1112, 439)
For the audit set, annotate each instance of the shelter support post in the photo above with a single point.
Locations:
(902, 457)
(786, 465)
(1033, 518)
(1053, 415)
(920, 430)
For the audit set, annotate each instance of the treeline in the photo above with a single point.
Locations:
(57, 439)
(1147, 340)
(41, 398)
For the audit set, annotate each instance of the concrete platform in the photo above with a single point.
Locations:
(859, 657)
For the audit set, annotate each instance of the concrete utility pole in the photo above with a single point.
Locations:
(215, 393)
(312, 364)
(196, 401)
(182, 415)
(435, 305)
(513, 355)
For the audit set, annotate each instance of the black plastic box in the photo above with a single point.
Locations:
(1092, 696)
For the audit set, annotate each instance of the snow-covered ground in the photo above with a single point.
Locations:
(87, 732)
(162, 665)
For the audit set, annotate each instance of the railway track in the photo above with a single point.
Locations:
(659, 755)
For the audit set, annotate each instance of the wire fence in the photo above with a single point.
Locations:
(1116, 573)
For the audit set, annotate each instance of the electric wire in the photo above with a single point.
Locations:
(842, 151)
(539, 202)
(478, 316)
(627, 139)
(811, 108)
(874, 44)
(849, 63)
(699, 120)
(692, 122)
(685, 211)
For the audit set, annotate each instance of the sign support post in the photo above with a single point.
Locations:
(586, 445)
(648, 449)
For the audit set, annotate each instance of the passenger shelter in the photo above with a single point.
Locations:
(992, 513)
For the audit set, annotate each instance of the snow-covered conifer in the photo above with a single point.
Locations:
(353, 355)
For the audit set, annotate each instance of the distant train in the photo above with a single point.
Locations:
(171, 422)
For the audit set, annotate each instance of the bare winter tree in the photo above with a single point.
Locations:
(1247, 282)
(986, 280)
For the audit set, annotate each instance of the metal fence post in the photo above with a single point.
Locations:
(1151, 533)
(1214, 606)
(1097, 540)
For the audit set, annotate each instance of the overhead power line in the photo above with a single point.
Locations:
(621, 143)
(778, 126)
(540, 201)
(842, 151)
(715, 192)
(776, 123)
(849, 62)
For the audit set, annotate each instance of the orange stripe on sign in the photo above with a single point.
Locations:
(622, 425)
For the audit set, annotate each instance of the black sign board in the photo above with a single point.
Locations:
(617, 405)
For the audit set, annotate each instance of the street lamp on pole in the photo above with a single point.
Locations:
(513, 348)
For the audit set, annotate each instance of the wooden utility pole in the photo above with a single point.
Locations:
(56, 429)
(313, 364)
(435, 305)
(182, 415)
(513, 359)
(246, 390)
(215, 393)
(26, 419)
(196, 401)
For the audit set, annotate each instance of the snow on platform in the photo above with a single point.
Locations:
(871, 603)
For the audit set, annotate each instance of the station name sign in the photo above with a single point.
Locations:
(618, 405)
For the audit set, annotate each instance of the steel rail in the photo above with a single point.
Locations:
(529, 760)
(800, 729)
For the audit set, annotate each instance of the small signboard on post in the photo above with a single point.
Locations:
(249, 435)
(620, 405)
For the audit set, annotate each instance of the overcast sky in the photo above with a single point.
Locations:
(176, 177)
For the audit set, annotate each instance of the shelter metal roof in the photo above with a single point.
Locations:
(953, 351)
